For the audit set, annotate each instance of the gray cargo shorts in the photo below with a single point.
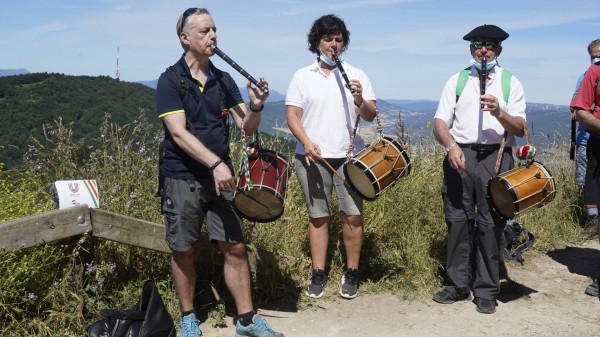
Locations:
(187, 203)
(317, 183)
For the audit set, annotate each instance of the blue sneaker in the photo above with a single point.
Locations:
(258, 328)
(189, 326)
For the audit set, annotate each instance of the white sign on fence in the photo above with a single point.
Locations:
(76, 192)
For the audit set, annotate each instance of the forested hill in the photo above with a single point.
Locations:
(28, 101)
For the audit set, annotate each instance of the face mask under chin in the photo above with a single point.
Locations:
(488, 65)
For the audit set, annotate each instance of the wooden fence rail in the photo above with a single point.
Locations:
(59, 224)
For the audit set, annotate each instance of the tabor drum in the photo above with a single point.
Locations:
(521, 189)
(377, 168)
(264, 200)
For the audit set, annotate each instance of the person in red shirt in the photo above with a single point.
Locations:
(586, 105)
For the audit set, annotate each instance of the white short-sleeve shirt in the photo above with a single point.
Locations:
(328, 110)
(468, 124)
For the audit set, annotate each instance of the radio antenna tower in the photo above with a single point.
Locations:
(117, 73)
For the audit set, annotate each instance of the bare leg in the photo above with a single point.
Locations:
(184, 277)
(353, 238)
(237, 274)
(318, 234)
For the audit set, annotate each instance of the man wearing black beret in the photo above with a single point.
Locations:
(480, 107)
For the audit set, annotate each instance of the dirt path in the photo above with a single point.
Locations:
(545, 299)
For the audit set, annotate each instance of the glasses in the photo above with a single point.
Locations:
(185, 15)
(486, 44)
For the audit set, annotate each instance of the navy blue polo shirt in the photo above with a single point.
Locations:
(202, 107)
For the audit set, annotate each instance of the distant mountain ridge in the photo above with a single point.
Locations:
(11, 72)
(27, 101)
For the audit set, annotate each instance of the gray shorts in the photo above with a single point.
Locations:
(318, 181)
(580, 164)
(187, 203)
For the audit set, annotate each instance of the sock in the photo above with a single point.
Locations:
(186, 313)
(592, 212)
(246, 319)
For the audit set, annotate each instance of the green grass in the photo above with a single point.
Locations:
(59, 288)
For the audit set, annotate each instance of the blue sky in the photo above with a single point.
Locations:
(407, 48)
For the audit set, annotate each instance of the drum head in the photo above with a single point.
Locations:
(499, 191)
(361, 180)
(260, 204)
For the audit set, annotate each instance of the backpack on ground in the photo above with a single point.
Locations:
(148, 318)
(515, 239)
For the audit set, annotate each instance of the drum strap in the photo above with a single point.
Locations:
(502, 143)
(353, 135)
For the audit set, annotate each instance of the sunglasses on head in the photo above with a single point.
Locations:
(486, 44)
(185, 15)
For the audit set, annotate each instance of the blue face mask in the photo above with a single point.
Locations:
(327, 60)
(488, 65)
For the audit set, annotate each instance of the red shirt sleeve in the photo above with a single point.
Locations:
(586, 96)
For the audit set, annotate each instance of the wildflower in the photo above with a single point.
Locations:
(142, 149)
(128, 204)
(89, 268)
(126, 147)
(132, 195)
(31, 296)
(113, 267)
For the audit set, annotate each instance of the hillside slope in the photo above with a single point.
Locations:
(28, 101)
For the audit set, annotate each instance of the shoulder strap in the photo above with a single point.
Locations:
(506, 78)
(464, 76)
(183, 88)
(462, 81)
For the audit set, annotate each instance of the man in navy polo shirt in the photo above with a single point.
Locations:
(194, 99)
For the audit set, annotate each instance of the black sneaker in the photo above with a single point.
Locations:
(350, 283)
(317, 284)
(485, 306)
(592, 289)
(448, 297)
(590, 229)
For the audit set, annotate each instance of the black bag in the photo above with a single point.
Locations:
(148, 318)
(511, 243)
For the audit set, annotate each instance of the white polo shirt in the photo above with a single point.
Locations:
(328, 110)
(467, 122)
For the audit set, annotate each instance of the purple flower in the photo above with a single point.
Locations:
(132, 195)
(113, 267)
(89, 268)
(128, 204)
(31, 296)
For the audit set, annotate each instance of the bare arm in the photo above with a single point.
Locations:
(456, 157)
(294, 119)
(250, 118)
(512, 124)
(176, 123)
(588, 120)
(367, 110)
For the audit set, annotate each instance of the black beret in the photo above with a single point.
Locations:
(489, 31)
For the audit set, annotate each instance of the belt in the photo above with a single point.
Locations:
(481, 147)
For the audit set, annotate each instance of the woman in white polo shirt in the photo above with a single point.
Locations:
(322, 107)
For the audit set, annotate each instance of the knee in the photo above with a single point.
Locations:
(233, 250)
(353, 221)
(319, 222)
